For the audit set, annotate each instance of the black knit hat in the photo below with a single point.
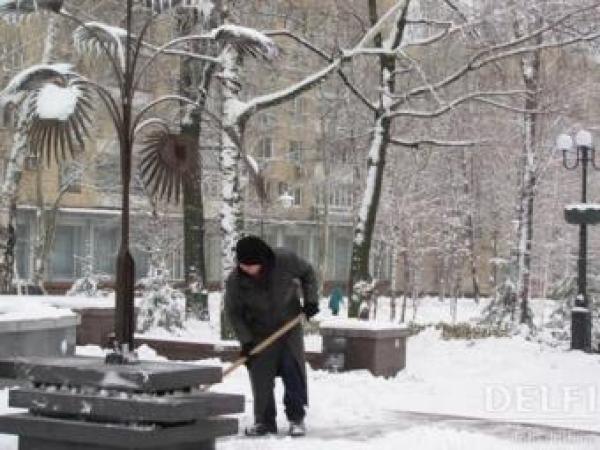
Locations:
(253, 250)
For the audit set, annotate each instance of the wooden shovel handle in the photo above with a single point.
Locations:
(264, 344)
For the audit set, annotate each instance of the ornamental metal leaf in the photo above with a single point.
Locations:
(247, 41)
(35, 77)
(167, 160)
(96, 36)
(55, 129)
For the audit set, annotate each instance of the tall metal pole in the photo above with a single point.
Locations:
(582, 262)
(581, 325)
(124, 314)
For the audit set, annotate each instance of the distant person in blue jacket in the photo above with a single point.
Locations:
(335, 300)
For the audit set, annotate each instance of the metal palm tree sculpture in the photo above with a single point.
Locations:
(59, 105)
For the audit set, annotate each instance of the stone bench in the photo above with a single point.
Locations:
(77, 403)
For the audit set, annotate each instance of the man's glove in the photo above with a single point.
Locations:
(310, 309)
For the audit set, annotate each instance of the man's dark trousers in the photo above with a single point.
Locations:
(264, 367)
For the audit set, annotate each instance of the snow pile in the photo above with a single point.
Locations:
(57, 103)
(14, 310)
(356, 324)
(583, 207)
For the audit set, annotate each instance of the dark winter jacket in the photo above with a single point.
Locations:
(257, 308)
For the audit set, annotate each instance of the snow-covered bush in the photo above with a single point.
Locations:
(362, 294)
(563, 289)
(465, 330)
(162, 305)
(500, 312)
(87, 285)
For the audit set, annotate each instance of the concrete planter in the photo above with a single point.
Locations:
(353, 344)
(97, 325)
(38, 336)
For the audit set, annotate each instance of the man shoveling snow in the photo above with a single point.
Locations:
(261, 295)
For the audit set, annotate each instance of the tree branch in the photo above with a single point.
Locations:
(286, 33)
(433, 142)
(478, 96)
(257, 104)
(505, 50)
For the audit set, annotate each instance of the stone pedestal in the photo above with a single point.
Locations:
(354, 344)
(77, 403)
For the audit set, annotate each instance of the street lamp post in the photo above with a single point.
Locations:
(581, 324)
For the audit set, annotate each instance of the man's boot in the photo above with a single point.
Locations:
(261, 429)
(297, 428)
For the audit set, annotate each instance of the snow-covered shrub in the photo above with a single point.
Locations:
(84, 287)
(362, 294)
(87, 285)
(564, 289)
(501, 312)
(162, 305)
(465, 330)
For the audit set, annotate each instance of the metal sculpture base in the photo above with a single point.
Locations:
(77, 403)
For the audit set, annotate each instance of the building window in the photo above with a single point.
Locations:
(12, 55)
(340, 196)
(297, 194)
(282, 188)
(105, 249)
(265, 148)
(213, 266)
(296, 244)
(22, 246)
(295, 151)
(266, 120)
(343, 250)
(142, 262)
(66, 246)
(298, 106)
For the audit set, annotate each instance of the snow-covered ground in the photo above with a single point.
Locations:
(497, 378)
(507, 379)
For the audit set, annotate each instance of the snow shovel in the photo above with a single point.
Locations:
(260, 347)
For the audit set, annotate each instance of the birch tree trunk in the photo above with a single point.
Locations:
(231, 208)
(530, 65)
(470, 228)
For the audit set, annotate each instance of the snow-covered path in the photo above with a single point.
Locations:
(497, 379)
